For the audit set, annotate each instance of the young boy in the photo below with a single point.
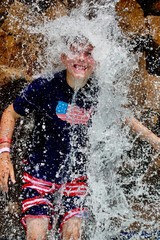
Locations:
(55, 161)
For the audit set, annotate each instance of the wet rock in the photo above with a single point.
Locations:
(131, 15)
(10, 227)
(4, 7)
(38, 5)
(9, 74)
(153, 23)
(19, 48)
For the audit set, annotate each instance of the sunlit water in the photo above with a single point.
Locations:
(109, 203)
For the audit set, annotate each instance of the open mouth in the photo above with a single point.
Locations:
(79, 67)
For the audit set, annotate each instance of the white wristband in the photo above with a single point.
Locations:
(4, 149)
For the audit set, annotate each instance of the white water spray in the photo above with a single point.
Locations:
(110, 207)
(108, 140)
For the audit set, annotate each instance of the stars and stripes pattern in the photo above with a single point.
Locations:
(72, 113)
(78, 187)
(28, 203)
(78, 212)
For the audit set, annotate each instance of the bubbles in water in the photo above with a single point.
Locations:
(110, 206)
(108, 139)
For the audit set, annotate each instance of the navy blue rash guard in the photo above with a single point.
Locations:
(62, 119)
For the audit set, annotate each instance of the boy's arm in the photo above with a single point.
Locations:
(143, 132)
(8, 121)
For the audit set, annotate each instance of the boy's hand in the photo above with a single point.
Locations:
(156, 144)
(71, 229)
(6, 171)
(143, 132)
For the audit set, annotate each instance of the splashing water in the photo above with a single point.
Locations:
(110, 207)
(108, 141)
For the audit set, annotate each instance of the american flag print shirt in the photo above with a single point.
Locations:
(72, 113)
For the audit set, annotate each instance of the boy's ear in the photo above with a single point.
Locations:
(63, 58)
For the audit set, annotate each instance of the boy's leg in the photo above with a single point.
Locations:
(37, 228)
(37, 207)
(72, 229)
(74, 210)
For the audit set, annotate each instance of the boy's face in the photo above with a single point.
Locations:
(79, 63)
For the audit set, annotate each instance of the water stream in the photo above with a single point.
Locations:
(112, 194)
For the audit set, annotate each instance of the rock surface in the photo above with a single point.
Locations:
(19, 49)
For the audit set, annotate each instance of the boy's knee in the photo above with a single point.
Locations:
(37, 228)
(72, 229)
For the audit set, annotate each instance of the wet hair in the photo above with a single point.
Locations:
(76, 40)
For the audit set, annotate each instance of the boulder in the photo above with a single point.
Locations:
(153, 23)
(131, 17)
(8, 74)
(19, 47)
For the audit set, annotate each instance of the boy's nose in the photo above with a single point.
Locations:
(81, 56)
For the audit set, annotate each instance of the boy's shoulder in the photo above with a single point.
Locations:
(50, 79)
(44, 84)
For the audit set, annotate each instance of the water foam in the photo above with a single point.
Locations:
(108, 139)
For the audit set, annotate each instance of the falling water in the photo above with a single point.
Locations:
(108, 140)
(111, 207)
